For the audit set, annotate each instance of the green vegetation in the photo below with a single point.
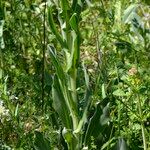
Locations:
(74, 75)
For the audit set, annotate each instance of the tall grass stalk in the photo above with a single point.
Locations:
(142, 124)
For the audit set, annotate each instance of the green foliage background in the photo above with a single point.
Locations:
(112, 75)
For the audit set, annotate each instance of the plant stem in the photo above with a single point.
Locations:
(142, 125)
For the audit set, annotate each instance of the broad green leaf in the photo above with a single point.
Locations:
(56, 63)
(98, 122)
(75, 44)
(60, 104)
(117, 16)
(62, 81)
(84, 116)
(54, 30)
(65, 8)
(63, 88)
(94, 126)
(137, 20)
(75, 52)
(119, 92)
(64, 16)
(86, 100)
(128, 12)
(41, 143)
(105, 116)
(65, 5)
(73, 22)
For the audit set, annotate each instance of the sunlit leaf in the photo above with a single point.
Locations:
(119, 92)
(105, 115)
(107, 144)
(16, 110)
(129, 12)
(103, 91)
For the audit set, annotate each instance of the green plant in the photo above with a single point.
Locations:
(89, 89)
(64, 89)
